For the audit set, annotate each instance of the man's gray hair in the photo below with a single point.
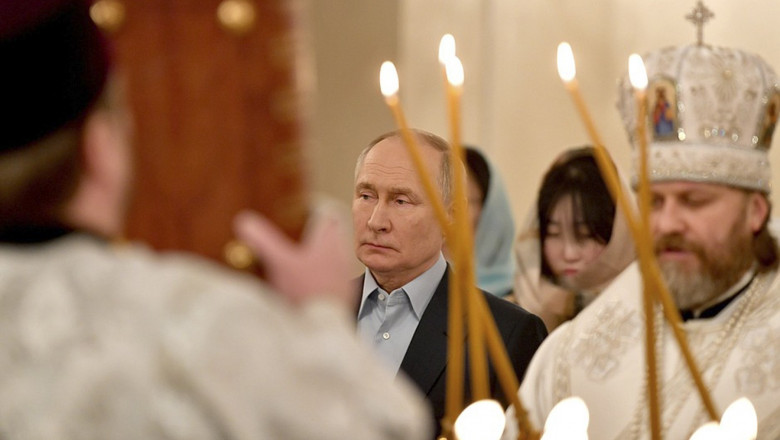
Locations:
(425, 139)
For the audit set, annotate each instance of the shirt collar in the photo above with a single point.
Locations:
(420, 290)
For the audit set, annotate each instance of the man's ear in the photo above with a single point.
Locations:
(449, 209)
(758, 211)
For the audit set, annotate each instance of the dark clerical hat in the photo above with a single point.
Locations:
(54, 63)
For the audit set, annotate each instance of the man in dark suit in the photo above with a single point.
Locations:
(403, 309)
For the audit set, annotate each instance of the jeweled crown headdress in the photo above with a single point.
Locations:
(711, 113)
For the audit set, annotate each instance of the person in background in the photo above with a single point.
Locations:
(494, 226)
(575, 242)
(100, 340)
(404, 290)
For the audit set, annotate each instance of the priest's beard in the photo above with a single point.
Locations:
(720, 267)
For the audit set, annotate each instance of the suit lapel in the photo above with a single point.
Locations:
(426, 356)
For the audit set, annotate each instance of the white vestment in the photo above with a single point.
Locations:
(600, 357)
(107, 342)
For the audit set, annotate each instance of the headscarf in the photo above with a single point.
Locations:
(551, 302)
(495, 261)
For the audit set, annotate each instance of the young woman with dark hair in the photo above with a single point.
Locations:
(574, 245)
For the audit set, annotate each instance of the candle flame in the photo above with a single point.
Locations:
(454, 71)
(636, 72)
(568, 419)
(482, 420)
(739, 421)
(566, 69)
(446, 48)
(388, 79)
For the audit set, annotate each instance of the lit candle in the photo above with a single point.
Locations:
(463, 237)
(638, 77)
(481, 325)
(388, 82)
(456, 243)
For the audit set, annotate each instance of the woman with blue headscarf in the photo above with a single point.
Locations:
(494, 227)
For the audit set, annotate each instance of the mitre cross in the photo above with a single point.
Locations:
(699, 17)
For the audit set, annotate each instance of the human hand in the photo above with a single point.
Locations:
(317, 267)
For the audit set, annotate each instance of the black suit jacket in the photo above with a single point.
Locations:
(425, 362)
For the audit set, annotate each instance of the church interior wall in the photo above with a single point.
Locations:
(514, 105)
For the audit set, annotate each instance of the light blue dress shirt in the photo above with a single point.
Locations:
(388, 320)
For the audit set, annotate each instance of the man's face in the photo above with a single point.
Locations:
(703, 237)
(396, 232)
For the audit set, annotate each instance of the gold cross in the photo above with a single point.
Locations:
(699, 17)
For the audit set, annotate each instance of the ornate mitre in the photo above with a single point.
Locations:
(711, 114)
